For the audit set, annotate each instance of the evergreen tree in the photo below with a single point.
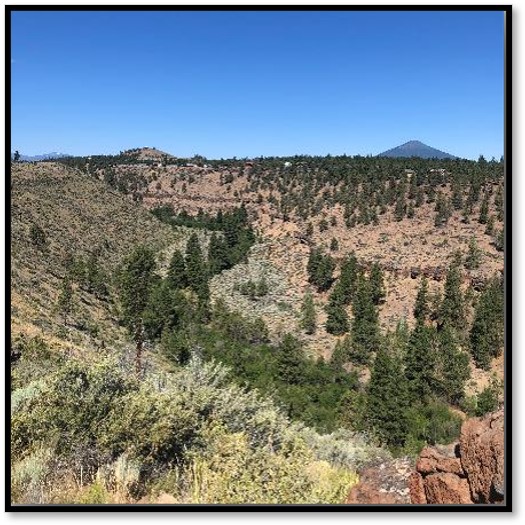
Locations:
(334, 245)
(453, 365)
(420, 363)
(177, 278)
(308, 315)
(386, 402)
(484, 210)
(345, 286)
(377, 285)
(421, 308)
(164, 310)
(135, 281)
(399, 212)
(365, 327)
(290, 361)
(452, 311)
(487, 332)
(473, 257)
(320, 270)
(196, 268)
(218, 259)
(337, 319)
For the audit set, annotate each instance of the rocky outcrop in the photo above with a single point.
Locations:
(482, 456)
(470, 471)
(386, 483)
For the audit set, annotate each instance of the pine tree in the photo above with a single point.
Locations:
(196, 268)
(421, 308)
(337, 322)
(453, 366)
(320, 270)
(365, 327)
(135, 281)
(177, 278)
(452, 311)
(377, 284)
(308, 315)
(345, 286)
(387, 401)
(487, 332)
(218, 259)
(420, 363)
(290, 361)
(164, 311)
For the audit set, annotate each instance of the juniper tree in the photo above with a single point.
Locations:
(473, 258)
(484, 210)
(489, 229)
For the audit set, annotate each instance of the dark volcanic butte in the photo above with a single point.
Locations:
(415, 148)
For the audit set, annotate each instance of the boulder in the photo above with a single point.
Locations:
(432, 461)
(482, 456)
(471, 471)
(447, 488)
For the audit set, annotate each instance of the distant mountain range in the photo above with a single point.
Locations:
(43, 156)
(415, 148)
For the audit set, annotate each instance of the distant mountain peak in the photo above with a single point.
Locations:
(416, 148)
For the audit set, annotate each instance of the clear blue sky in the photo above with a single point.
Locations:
(245, 84)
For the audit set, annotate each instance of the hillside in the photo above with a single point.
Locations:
(170, 431)
(58, 213)
(335, 307)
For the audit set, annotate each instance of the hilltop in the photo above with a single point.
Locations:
(415, 148)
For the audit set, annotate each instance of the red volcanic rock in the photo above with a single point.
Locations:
(447, 488)
(482, 456)
(432, 461)
(469, 472)
(417, 489)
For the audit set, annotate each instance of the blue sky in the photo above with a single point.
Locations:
(245, 84)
